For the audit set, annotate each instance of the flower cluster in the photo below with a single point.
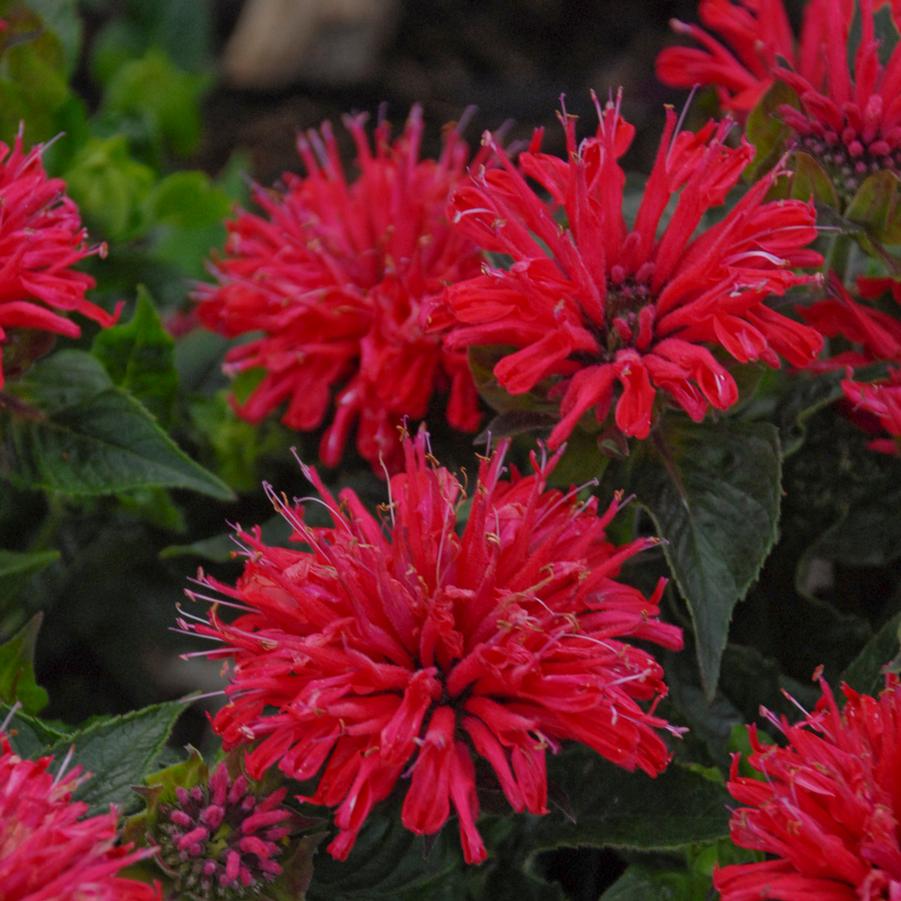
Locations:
(220, 841)
(49, 849)
(41, 238)
(848, 118)
(336, 275)
(828, 808)
(403, 649)
(600, 302)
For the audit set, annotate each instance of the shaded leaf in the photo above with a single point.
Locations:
(92, 438)
(17, 567)
(766, 131)
(119, 752)
(17, 679)
(713, 491)
(140, 357)
(866, 671)
(29, 736)
(610, 807)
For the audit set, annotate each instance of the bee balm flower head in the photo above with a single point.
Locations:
(615, 314)
(829, 808)
(391, 653)
(41, 238)
(336, 273)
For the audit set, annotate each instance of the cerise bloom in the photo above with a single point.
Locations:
(850, 114)
(829, 808)
(600, 301)
(399, 649)
(41, 237)
(882, 401)
(49, 850)
(335, 274)
(755, 36)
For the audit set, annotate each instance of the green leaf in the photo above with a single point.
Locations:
(610, 807)
(17, 567)
(866, 671)
(803, 398)
(119, 752)
(811, 180)
(387, 862)
(188, 199)
(91, 438)
(109, 186)
(766, 130)
(154, 88)
(640, 884)
(877, 206)
(29, 736)
(17, 680)
(713, 491)
(140, 357)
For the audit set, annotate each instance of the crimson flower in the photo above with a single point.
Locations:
(335, 274)
(403, 648)
(754, 36)
(828, 808)
(600, 301)
(850, 115)
(41, 237)
(49, 850)
(876, 337)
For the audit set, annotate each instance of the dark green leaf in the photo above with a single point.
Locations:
(29, 736)
(610, 807)
(803, 398)
(92, 438)
(388, 861)
(119, 752)
(713, 491)
(642, 884)
(140, 357)
(17, 680)
(865, 674)
(17, 567)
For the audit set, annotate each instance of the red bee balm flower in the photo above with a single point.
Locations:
(829, 808)
(335, 275)
(49, 850)
(404, 648)
(849, 120)
(599, 302)
(755, 34)
(41, 237)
